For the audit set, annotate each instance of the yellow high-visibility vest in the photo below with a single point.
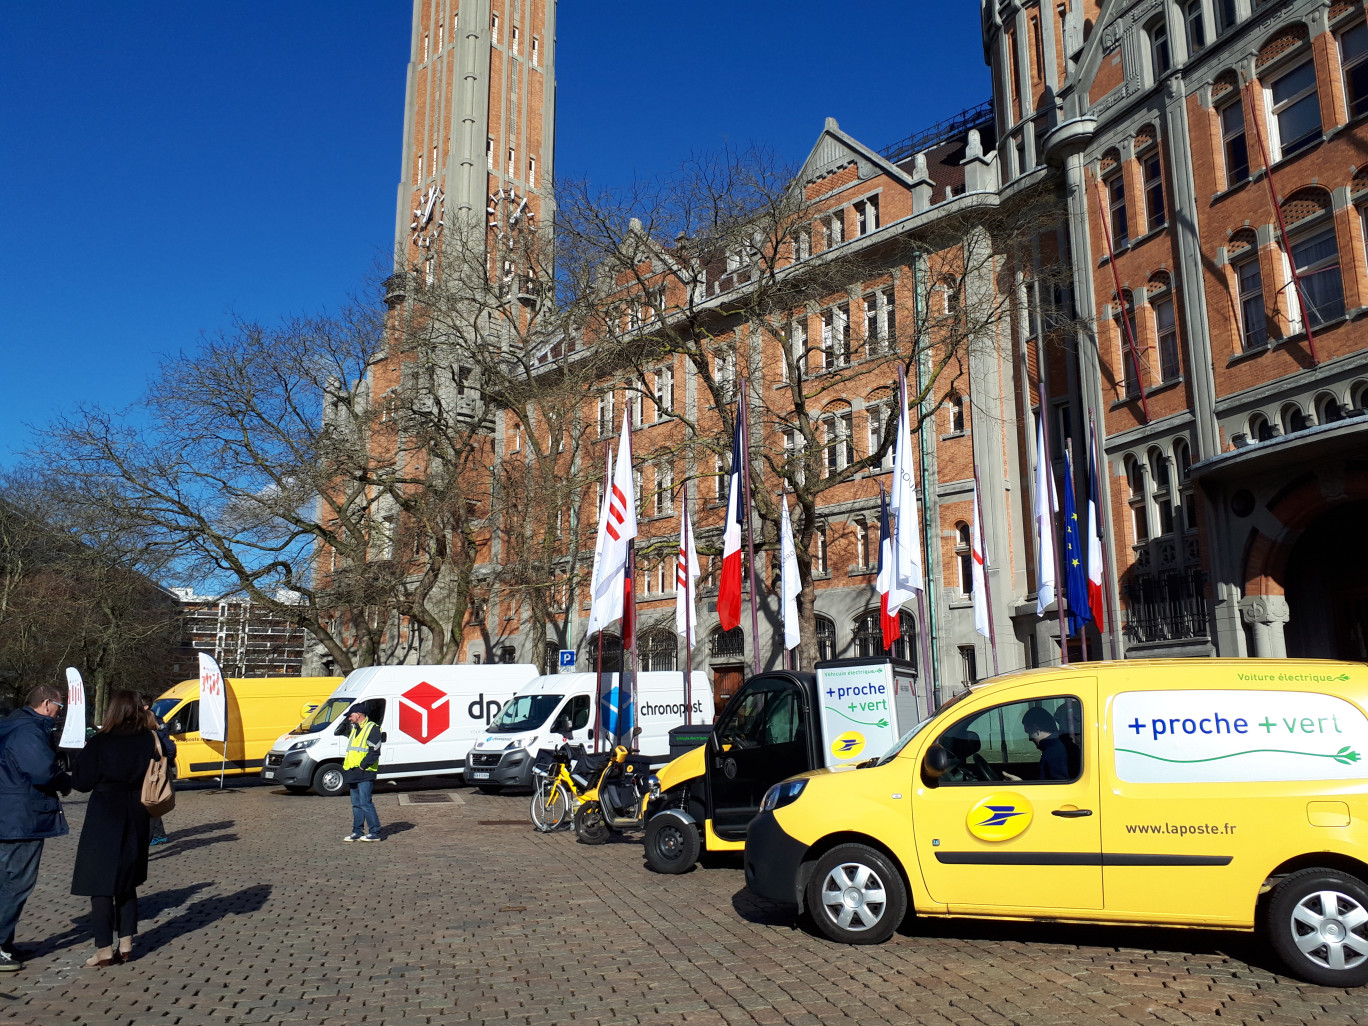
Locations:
(357, 748)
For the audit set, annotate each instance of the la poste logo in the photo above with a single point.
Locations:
(424, 712)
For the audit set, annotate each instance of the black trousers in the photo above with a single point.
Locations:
(121, 910)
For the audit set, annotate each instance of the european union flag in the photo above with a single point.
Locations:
(1075, 555)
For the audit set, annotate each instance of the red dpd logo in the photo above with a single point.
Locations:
(424, 712)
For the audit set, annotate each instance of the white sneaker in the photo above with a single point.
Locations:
(370, 837)
(8, 963)
(352, 837)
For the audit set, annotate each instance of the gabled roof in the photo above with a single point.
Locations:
(835, 149)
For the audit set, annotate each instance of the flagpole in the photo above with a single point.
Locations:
(688, 608)
(625, 681)
(987, 588)
(743, 411)
(1050, 515)
(598, 678)
(783, 609)
(1080, 535)
(1095, 471)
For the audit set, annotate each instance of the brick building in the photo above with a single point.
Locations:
(1215, 345)
(245, 638)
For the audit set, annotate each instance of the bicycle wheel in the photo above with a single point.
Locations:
(537, 808)
(557, 811)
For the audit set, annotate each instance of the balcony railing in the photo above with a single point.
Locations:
(1167, 607)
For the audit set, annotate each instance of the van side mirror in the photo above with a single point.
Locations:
(383, 737)
(591, 733)
(636, 732)
(936, 761)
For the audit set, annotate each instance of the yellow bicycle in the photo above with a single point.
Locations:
(555, 792)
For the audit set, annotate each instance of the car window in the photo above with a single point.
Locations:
(1039, 740)
(761, 718)
(186, 720)
(579, 712)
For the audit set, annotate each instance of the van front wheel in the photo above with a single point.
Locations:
(856, 896)
(672, 845)
(328, 781)
(1317, 922)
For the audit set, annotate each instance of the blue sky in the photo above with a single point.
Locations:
(169, 165)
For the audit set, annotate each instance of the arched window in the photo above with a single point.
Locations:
(1161, 58)
(1162, 484)
(726, 644)
(1259, 428)
(612, 653)
(1123, 303)
(1182, 459)
(1135, 479)
(826, 638)
(657, 649)
(1152, 175)
(1358, 396)
(1328, 409)
(1294, 118)
(1229, 104)
(954, 406)
(1292, 419)
(1243, 253)
(964, 559)
(869, 637)
(1315, 255)
(1115, 184)
(1159, 292)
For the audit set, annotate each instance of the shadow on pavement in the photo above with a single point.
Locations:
(149, 907)
(177, 846)
(202, 828)
(390, 829)
(203, 913)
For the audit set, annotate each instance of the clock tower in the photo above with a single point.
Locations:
(479, 121)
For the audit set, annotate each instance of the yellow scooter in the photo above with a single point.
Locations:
(616, 799)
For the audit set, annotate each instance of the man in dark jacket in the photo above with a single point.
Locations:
(30, 810)
(359, 768)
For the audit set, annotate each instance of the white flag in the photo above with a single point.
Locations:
(620, 528)
(600, 540)
(789, 584)
(1046, 505)
(979, 559)
(907, 551)
(686, 577)
(213, 709)
(73, 730)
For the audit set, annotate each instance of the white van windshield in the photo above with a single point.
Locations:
(323, 715)
(525, 712)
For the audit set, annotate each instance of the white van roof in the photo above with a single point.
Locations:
(449, 675)
(584, 683)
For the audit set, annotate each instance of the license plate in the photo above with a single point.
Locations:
(268, 774)
(481, 775)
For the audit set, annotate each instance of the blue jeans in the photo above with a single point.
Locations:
(18, 875)
(363, 809)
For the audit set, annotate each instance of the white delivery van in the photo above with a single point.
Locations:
(560, 707)
(428, 715)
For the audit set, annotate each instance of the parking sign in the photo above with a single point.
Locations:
(567, 659)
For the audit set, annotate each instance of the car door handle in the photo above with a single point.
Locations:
(1071, 813)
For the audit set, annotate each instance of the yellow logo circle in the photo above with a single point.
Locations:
(999, 817)
(848, 745)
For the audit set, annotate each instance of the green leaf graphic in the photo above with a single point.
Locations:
(1346, 755)
(866, 723)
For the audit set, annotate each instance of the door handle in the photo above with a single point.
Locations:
(1072, 813)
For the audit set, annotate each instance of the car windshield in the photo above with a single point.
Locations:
(323, 715)
(526, 712)
(162, 706)
(902, 742)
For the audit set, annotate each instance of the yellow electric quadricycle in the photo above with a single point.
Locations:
(1207, 793)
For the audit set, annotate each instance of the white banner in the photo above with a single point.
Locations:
(73, 731)
(1182, 737)
(213, 711)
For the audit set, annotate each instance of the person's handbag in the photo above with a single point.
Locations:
(157, 797)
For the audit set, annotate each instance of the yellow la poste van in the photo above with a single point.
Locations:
(260, 709)
(1194, 792)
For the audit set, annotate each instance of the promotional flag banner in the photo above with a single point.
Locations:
(789, 585)
(888, 618)
(907, 547)
(978, 565)
(1046, 505)
(686, 577)
(601, 539)
(73, 730)
(729, 585)
(213, 700)
(620, 528)
(1094, 538)
(1075, 576)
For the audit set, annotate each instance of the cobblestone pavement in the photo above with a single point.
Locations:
(257, 913)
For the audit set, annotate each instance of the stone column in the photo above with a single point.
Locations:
(1267, 615)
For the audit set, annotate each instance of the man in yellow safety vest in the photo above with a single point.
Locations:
(358, 770)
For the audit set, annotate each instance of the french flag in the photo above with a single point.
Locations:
(729, 586)
(1094, 536)
(888, 618)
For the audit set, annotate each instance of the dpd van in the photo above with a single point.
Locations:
(1186, 792)
(558, 708)
(259, 708)
(428, 716)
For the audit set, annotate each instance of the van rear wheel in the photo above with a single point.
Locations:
(856, 896)
(328, 780)
(1317, 922)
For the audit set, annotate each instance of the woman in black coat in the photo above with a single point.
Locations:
(111, 858)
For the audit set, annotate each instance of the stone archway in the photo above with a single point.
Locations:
(1325, 580)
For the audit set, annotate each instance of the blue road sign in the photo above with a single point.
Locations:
(567, 658)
